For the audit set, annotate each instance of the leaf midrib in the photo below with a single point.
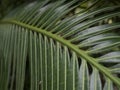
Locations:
(67, 43)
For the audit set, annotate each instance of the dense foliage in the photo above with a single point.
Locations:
(60, 45)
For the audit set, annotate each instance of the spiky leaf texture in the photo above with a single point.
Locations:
(43, 48)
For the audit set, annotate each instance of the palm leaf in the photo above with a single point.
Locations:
(42, 49)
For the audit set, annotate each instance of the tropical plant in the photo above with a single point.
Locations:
(47, 46)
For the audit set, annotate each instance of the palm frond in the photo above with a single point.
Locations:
(43, 49)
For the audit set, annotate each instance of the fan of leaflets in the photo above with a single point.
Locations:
(43, 48)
